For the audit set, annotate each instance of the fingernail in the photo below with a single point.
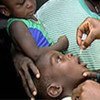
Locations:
(34, 93)
(32, 99)
(84, 74)
(37, 75)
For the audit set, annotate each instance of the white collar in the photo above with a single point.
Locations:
(67, 98)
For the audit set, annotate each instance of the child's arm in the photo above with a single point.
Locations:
(61, 45)
(24, 40)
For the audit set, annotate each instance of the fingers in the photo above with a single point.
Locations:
(82, 29)
(90, 38)
(90, 74)
(93, 75)
(89, 90)
(85, 28)
(23, 65)
(79, 36)
(30, 83)
(34, 69)
(77, 92)
(25, 84)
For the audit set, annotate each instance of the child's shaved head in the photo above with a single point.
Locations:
(60, 74)
(45, 78)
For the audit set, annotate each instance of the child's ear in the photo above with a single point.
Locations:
(4, 10)
(54, 90)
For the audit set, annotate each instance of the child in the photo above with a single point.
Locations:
(27, 32)
(60, 74)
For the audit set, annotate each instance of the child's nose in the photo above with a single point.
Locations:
(69, 55)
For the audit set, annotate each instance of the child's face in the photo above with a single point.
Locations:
(67, 68)
(60, 74)
(21, 8)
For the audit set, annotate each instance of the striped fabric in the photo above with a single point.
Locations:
(36, 29)
(63, 17)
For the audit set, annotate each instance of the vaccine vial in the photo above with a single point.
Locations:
(83, 38)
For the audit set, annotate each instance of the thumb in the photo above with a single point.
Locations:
(89, 39)
(90, 74)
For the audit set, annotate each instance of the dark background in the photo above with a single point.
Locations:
(10, 84)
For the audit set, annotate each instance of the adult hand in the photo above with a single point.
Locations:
(92, 75)
(23, 64)
(90, 27)
(89, 90)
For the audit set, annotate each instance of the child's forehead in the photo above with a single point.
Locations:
(46, 57)
(50, 54)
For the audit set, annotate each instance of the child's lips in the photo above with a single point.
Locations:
(84, 65)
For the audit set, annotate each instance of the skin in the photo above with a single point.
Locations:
(70, 68)
(72, 71)
(90, 40)
(22, 65)
(21, 8)
(19, 32)
(91, 27)
(88, 26)
(7, 2)
(22, 37)
(83, 91)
